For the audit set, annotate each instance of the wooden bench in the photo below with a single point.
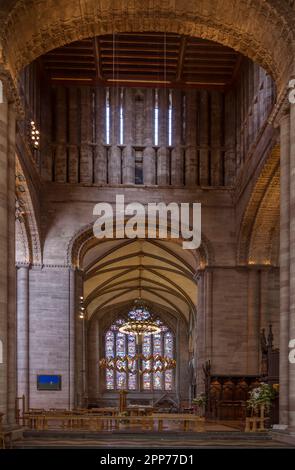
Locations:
(198, 423)
(98, 422)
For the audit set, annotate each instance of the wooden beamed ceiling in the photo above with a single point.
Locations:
(147, 59)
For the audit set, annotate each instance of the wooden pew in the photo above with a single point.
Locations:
(99, 422)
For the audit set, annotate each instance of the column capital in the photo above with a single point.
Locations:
(24, 265)
(282, 112)
(9, 91)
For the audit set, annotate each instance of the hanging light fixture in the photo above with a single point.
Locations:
(153, 363)
(140, 321)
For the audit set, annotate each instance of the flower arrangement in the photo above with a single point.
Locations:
(200, 400)
(261, 396)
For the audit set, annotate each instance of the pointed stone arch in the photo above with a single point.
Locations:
(259, 228)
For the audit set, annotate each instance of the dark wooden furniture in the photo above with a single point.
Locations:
(227, 396)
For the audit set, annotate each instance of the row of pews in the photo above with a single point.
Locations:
(108, 419)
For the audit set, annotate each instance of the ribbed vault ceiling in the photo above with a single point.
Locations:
(120, 271)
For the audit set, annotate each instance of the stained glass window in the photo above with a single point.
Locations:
(122, 345)
(132, 376)
(169, 348)
(109, 352)
(146, 351)
(121, 351)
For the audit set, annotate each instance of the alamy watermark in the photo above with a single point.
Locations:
(152, 220)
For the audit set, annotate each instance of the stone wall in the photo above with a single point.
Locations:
(212, 131)
(51, 335)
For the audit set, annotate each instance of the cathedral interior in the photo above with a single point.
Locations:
(160, 102)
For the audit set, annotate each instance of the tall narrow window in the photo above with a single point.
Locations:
(170, 118)
(156, 118)
(107, 117)
(121, 117)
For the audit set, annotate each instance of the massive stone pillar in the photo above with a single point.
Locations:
(23, 340)
(7, 256)
(284, 266)
(292, 266)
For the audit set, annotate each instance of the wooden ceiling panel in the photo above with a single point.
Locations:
(149, 57)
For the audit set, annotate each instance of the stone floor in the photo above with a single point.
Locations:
(221, 434)
(150, 442)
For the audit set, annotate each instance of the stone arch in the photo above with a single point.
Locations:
(265, 225)
(84, 235)
(28, 241)
(259, 29)
(261, 215)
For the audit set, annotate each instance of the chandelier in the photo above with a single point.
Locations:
(151, 363)
(140, 322)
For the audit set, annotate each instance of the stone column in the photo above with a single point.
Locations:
(73, 122)
(114, 170)
(292, 266)
(177, 152)
(284, 266)
(100, 151)
(61, 136)
(79, 353)
(163, 153)
(86, 150)
(93, 357)
(23, 340)
(7, 256)
(128, 154)
(216, 163)
(253, 322)
(191, 139)
(72, 321)
(149, 165)
(265, 318)
(230, 139)
(204, 138)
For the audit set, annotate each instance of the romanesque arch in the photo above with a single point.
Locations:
(258, 29)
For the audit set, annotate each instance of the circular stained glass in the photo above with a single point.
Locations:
(139, 314)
